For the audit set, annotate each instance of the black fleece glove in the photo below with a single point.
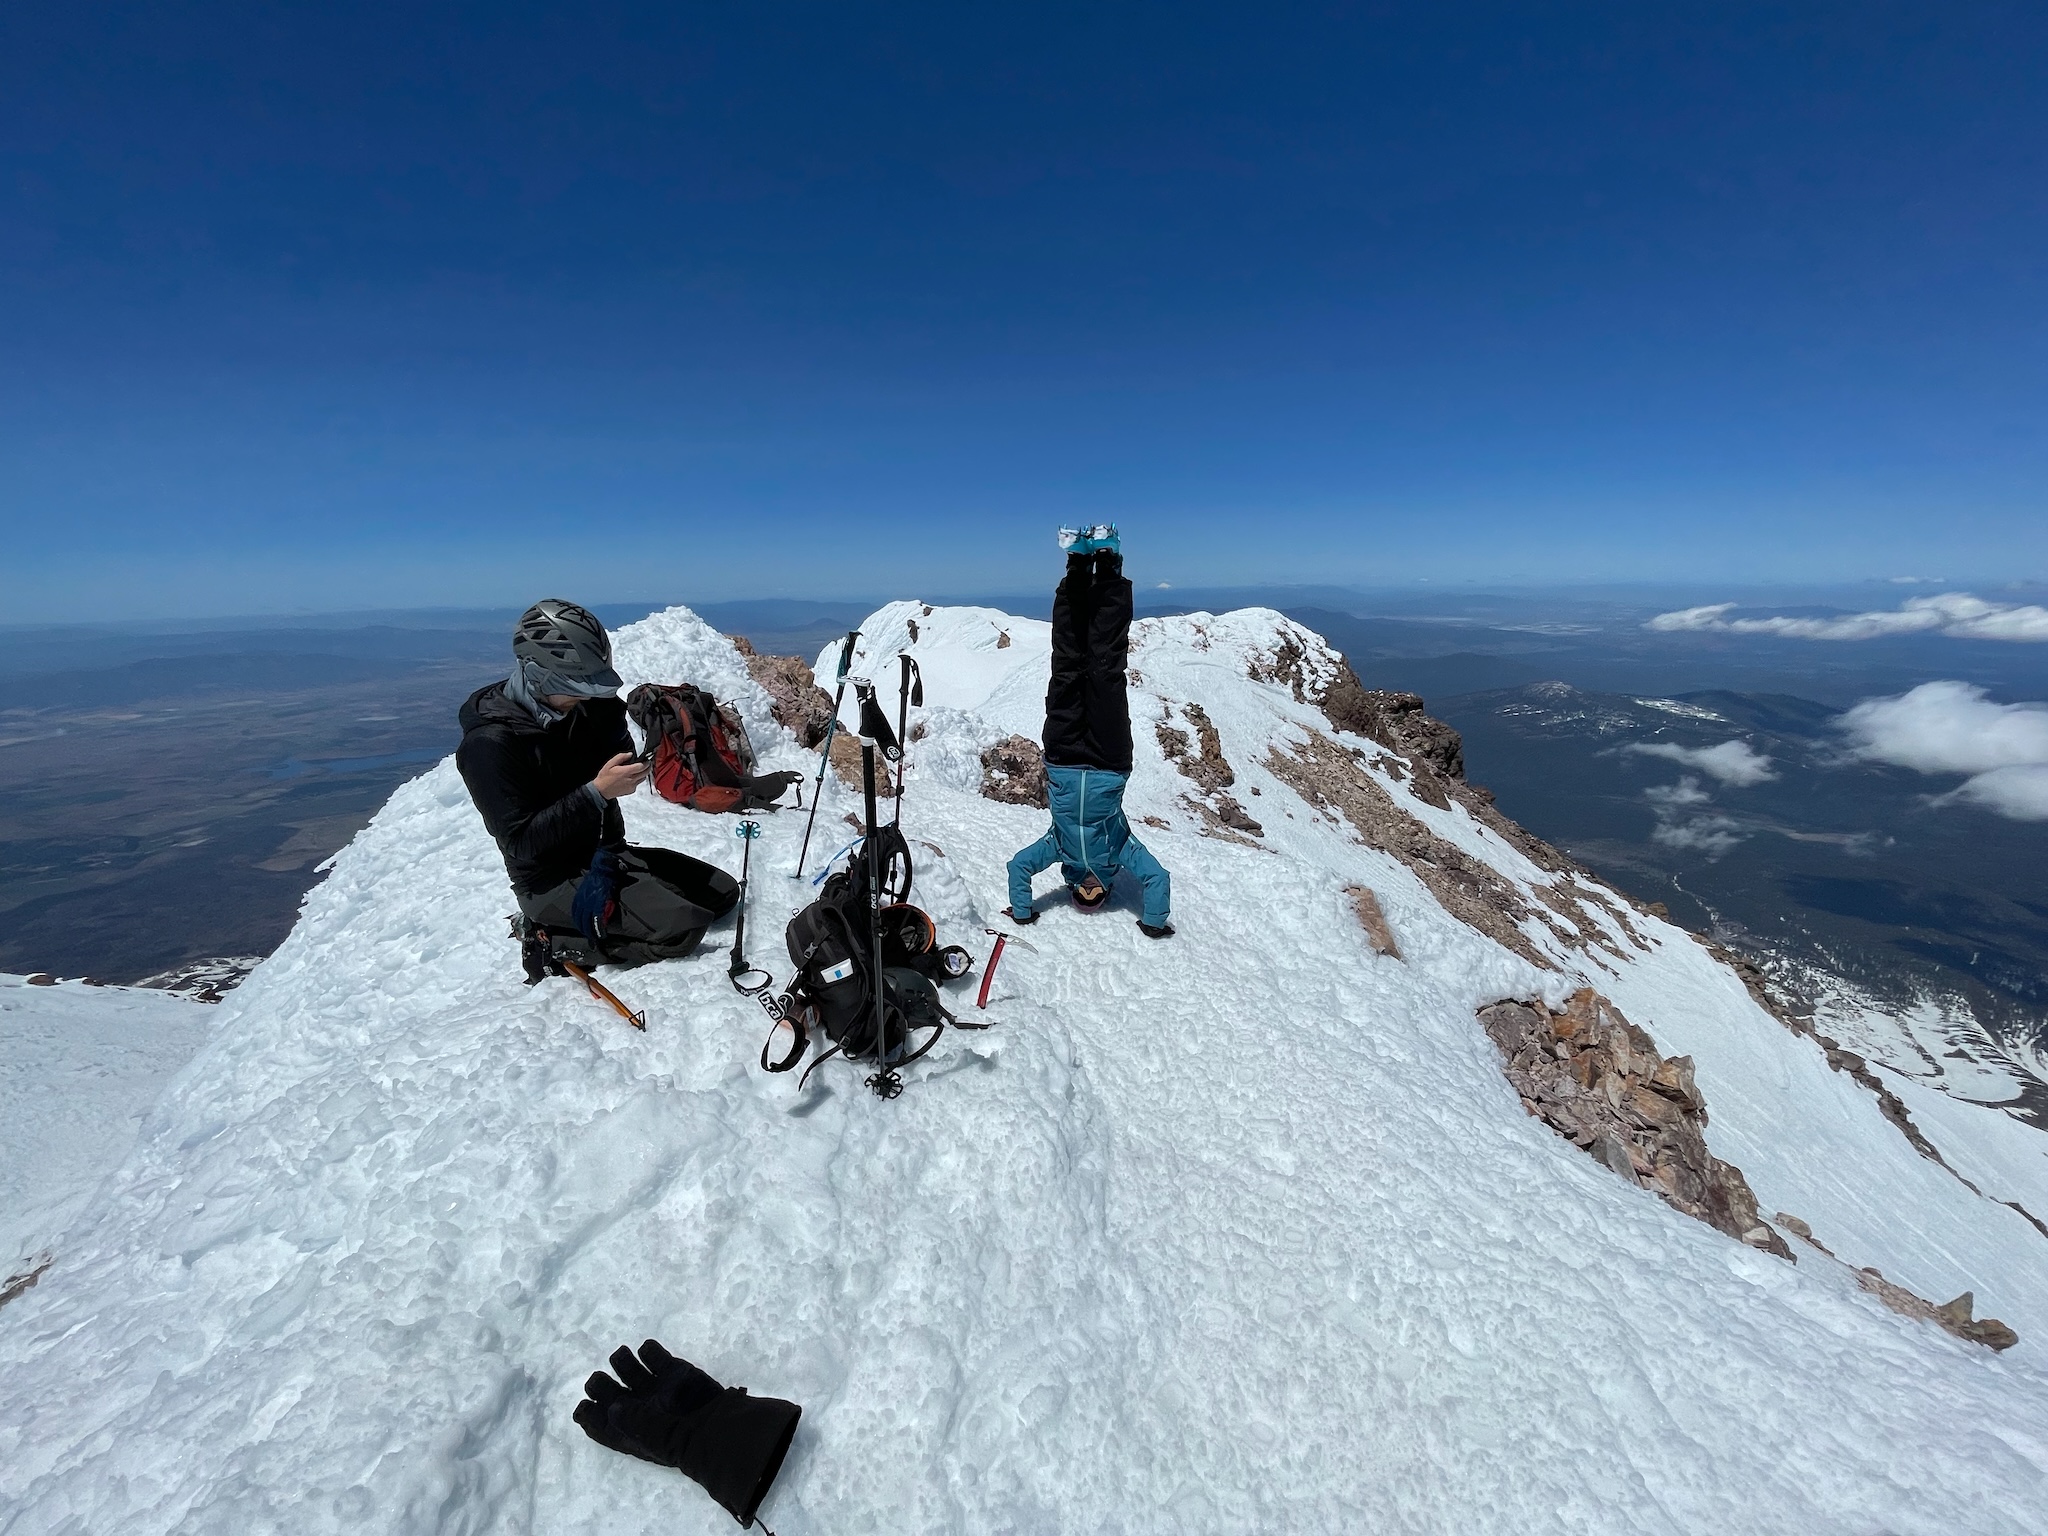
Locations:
(667, 1411)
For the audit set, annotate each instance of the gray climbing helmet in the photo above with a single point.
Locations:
(565, 649)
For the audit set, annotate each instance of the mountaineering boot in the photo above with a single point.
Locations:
(536, 951)
(1163, 931)
(669, 1412)
(1088, 541)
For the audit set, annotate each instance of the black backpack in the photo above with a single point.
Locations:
(831, 947)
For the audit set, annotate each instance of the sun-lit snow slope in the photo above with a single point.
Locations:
(1240, 1231)
(1979, 1099)
(79, 1067)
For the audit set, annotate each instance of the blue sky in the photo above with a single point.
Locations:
(334, 307)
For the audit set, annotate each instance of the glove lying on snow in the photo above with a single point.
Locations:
(666, 1411)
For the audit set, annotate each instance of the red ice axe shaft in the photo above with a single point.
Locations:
(988, 976)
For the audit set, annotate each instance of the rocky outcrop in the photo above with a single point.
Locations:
(1951, 1316)
(798, 704)
(1013, 771)
(1202, 763)
(1330, 779)
(1599, 1081)
(852, 772)
(16, 1285)
(1201, 760)
(1396, 721)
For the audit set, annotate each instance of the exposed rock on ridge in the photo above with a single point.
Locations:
(1330, 779)
(798, 704)
(1013, 771)
(1428, 756)
(1598, 1080)
(1202, 762)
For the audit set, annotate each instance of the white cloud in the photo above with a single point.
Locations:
(1948, 727)
(1677, 827)
(1711, 835)
(1951, 727)
(2020, 791)
(1956, 614)
(1685, 792)
(1732, 762)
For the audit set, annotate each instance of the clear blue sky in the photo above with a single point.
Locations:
(341, 305)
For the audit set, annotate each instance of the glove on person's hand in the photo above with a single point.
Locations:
(667, 1411)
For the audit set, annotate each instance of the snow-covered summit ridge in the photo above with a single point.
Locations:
(1241, 1231)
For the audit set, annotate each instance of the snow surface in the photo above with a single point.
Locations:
(1240, 1231)
(79, 1068)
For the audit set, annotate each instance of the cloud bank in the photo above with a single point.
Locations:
(1681, 824)
(1734, 763)
(1957, 614)
(1951, 727)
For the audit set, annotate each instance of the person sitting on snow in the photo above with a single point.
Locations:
(546, 755)
(1088, 743)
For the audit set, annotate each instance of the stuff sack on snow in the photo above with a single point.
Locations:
(701, 754)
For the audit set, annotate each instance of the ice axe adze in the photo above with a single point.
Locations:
(825, 755)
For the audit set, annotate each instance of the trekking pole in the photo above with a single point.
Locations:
(737, 971)
(907, 694)
(886, 1081)
(825, 756)
(604, 994)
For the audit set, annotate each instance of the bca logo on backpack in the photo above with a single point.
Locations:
(701, 754)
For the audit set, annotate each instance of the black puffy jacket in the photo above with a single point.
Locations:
(528, 780)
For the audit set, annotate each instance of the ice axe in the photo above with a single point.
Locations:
(604, 994)
(988, 974)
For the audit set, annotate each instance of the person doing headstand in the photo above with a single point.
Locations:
(1088, 743)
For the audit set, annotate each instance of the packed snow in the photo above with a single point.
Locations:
(1239, 1231)
(80, 1065)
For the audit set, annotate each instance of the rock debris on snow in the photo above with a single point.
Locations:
(1952, 1316)
(1373, 920)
